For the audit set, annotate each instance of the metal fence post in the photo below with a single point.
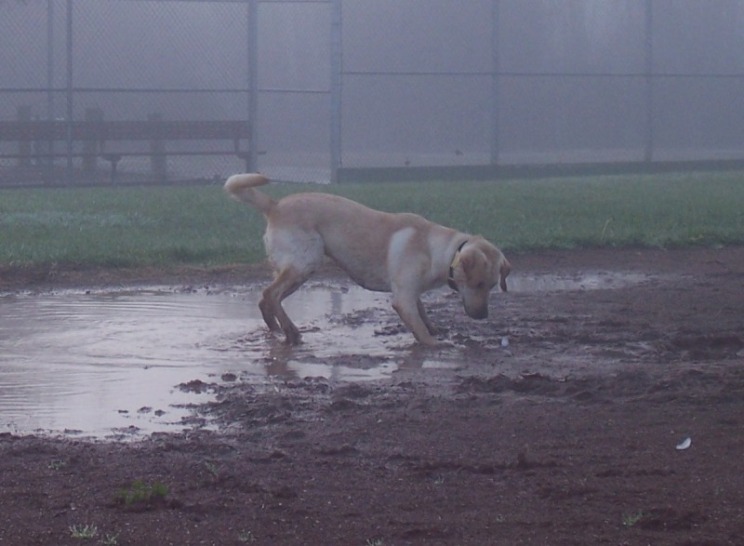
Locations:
(648, 145)
(336, 88)
(49, 174)
(69, 171)
(252, 56)
(495, 82)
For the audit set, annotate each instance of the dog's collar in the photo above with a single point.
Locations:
(455, 262)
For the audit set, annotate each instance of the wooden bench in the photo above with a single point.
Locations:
(100, 139)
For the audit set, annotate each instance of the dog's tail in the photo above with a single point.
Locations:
(242, 187)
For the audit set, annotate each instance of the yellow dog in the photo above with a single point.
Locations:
(400, 253)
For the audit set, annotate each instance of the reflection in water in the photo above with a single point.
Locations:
(93, 362)
(584, 281)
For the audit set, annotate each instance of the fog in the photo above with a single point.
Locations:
(425, 82)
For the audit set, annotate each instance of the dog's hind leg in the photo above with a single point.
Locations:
(267, 312)
(286, 283)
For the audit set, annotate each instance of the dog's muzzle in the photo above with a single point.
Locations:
(478, 314)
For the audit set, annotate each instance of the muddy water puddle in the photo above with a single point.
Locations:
(111, 363)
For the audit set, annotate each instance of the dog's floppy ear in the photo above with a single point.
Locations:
(504, 270)
(467, 262)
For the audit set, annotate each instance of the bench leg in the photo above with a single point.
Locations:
(114, 164)
(114, 160)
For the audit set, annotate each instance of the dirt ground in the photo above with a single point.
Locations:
(560, 426)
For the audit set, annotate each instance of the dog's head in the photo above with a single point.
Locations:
(479, 267)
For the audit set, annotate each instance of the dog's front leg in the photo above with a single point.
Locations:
(433, 330)
(408, 308)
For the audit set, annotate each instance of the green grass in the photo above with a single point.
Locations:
(133, 226)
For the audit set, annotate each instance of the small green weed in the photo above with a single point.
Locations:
(110, 540)
(141, 493)
(246, 537)
(83, 532)
(212, 468)
(56, 464)
(629, 520)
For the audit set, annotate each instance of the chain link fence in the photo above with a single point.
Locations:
(333, 89)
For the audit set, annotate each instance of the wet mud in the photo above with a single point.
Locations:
(601, 403)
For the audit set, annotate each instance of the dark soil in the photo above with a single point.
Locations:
(567, 434)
